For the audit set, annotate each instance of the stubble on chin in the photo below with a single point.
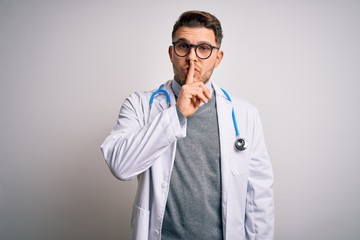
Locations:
(180, 78)
(180, 81)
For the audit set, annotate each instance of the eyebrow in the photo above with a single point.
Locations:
(187, 41)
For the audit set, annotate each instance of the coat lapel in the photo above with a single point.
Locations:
(163, 102)
(160, 102)
(226, 126)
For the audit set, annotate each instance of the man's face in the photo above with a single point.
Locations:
(203, 67)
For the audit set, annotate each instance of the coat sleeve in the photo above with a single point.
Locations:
(134, 144)
(259, 219)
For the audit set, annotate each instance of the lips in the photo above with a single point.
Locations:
(186, 70)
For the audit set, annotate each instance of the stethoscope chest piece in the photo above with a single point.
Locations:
(240, 144)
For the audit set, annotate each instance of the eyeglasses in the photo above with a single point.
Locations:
(203, 50)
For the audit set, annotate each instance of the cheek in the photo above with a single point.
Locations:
(177, 63)
(209, 67)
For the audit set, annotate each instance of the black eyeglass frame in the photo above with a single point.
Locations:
(195, 47)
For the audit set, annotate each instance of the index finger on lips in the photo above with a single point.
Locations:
(190, 75)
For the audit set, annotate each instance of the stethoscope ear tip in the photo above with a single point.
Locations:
(240, 144)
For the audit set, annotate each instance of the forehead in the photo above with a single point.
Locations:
(195, 34)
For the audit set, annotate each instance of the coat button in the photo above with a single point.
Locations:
(156, 232)
(164, 184)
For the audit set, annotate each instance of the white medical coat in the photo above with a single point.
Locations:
(143, 144)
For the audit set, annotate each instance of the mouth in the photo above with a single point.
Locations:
(196, 70)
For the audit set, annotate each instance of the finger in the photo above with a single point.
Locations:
(190, 75)
(196, 101)
(202, 98)
(200, 95)
(205, 90)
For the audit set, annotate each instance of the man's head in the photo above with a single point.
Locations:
(198, 19)
(196, 37)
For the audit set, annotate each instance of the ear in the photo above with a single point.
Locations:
(171, 52)
(219, 57)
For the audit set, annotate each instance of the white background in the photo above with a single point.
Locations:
(67, 66)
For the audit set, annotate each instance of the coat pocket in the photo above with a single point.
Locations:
(140, 224)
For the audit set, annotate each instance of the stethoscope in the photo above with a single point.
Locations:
(240, 142)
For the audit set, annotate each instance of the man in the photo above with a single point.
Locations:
(192, 182)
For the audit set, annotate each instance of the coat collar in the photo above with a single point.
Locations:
(221, 99)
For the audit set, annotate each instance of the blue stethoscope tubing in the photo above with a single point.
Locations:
(240, 142)
(159, 91)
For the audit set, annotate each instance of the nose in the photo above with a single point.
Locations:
(192, 54)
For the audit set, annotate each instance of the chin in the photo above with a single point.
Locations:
(180, 82)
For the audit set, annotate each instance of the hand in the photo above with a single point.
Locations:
(192, 94)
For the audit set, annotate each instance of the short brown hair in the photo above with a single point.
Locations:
(199, 19)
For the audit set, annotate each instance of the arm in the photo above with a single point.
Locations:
(259, 222)
(134, 145)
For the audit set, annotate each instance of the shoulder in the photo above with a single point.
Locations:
(244, 104)
(144, 96)
(139, 97)
(238, 103)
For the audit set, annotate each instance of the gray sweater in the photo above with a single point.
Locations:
(193, 209)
